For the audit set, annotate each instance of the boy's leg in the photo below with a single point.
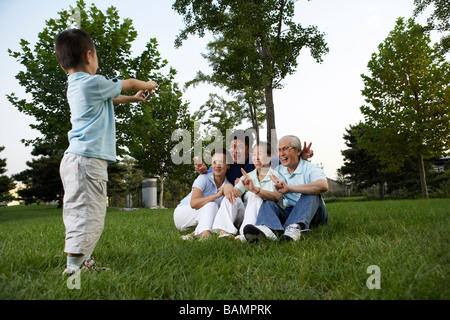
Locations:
(228, 216)
(84, 180)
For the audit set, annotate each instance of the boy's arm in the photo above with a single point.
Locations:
(139, 96)
(134, 84)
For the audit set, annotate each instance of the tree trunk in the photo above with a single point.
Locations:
(254, 118)
(423, 180)
(270, 117)
(381, 190)
(268, 95)
(161, 193)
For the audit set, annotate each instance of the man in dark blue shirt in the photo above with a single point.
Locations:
(239, 151)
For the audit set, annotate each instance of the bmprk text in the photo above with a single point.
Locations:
(247, 309)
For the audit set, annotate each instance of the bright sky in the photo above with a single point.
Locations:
(317, 103)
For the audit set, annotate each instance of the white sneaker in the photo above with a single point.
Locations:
(70, 270)
(292, 232)
(256, 233)
(240, 238)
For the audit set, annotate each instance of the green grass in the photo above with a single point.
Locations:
(407, 239)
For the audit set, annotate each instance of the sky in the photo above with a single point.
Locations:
(317, 103)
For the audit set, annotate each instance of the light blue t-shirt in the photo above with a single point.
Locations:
(306, 172)
(264, 184)
(93, 131)
(204, 182)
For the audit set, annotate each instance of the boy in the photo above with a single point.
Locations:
(92, 143)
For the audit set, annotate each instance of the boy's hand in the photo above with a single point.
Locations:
(152, 85)
(140, 96)
(151, 89)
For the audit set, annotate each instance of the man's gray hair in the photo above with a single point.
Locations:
(295, 142)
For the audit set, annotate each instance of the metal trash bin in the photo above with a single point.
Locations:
(149, 193)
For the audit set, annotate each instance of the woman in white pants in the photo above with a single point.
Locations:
(253, 188)
(200, 207)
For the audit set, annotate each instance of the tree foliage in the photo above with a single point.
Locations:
(46, 84)
(256, 44)
(148, 132)
(439, 19)
(223, 115)
(408, 99)
(364, 169)
(6, 183)
(42, 180)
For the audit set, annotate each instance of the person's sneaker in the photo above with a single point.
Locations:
(240, 238)
(92, 265)
(291, 233)
(70, 270)
(257, 233)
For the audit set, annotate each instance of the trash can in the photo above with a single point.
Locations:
(149, 193)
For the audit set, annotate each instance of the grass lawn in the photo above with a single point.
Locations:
(407, 239)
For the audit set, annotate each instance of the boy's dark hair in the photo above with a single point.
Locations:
(70, 45)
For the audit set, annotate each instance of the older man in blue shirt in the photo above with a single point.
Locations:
(301, 186)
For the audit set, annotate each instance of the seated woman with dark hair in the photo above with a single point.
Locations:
(200, 207)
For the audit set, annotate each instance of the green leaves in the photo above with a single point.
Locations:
(6, 183)
(256, 43)
(408, 94)
(143, 129)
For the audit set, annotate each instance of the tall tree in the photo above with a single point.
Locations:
(256, 46)
(363, 169)
(46, 82)
(44, 79)
(408, 97)
(42, 180)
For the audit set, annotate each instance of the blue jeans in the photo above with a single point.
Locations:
(309, 211)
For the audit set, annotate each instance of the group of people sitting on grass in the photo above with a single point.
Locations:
(242, 196)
